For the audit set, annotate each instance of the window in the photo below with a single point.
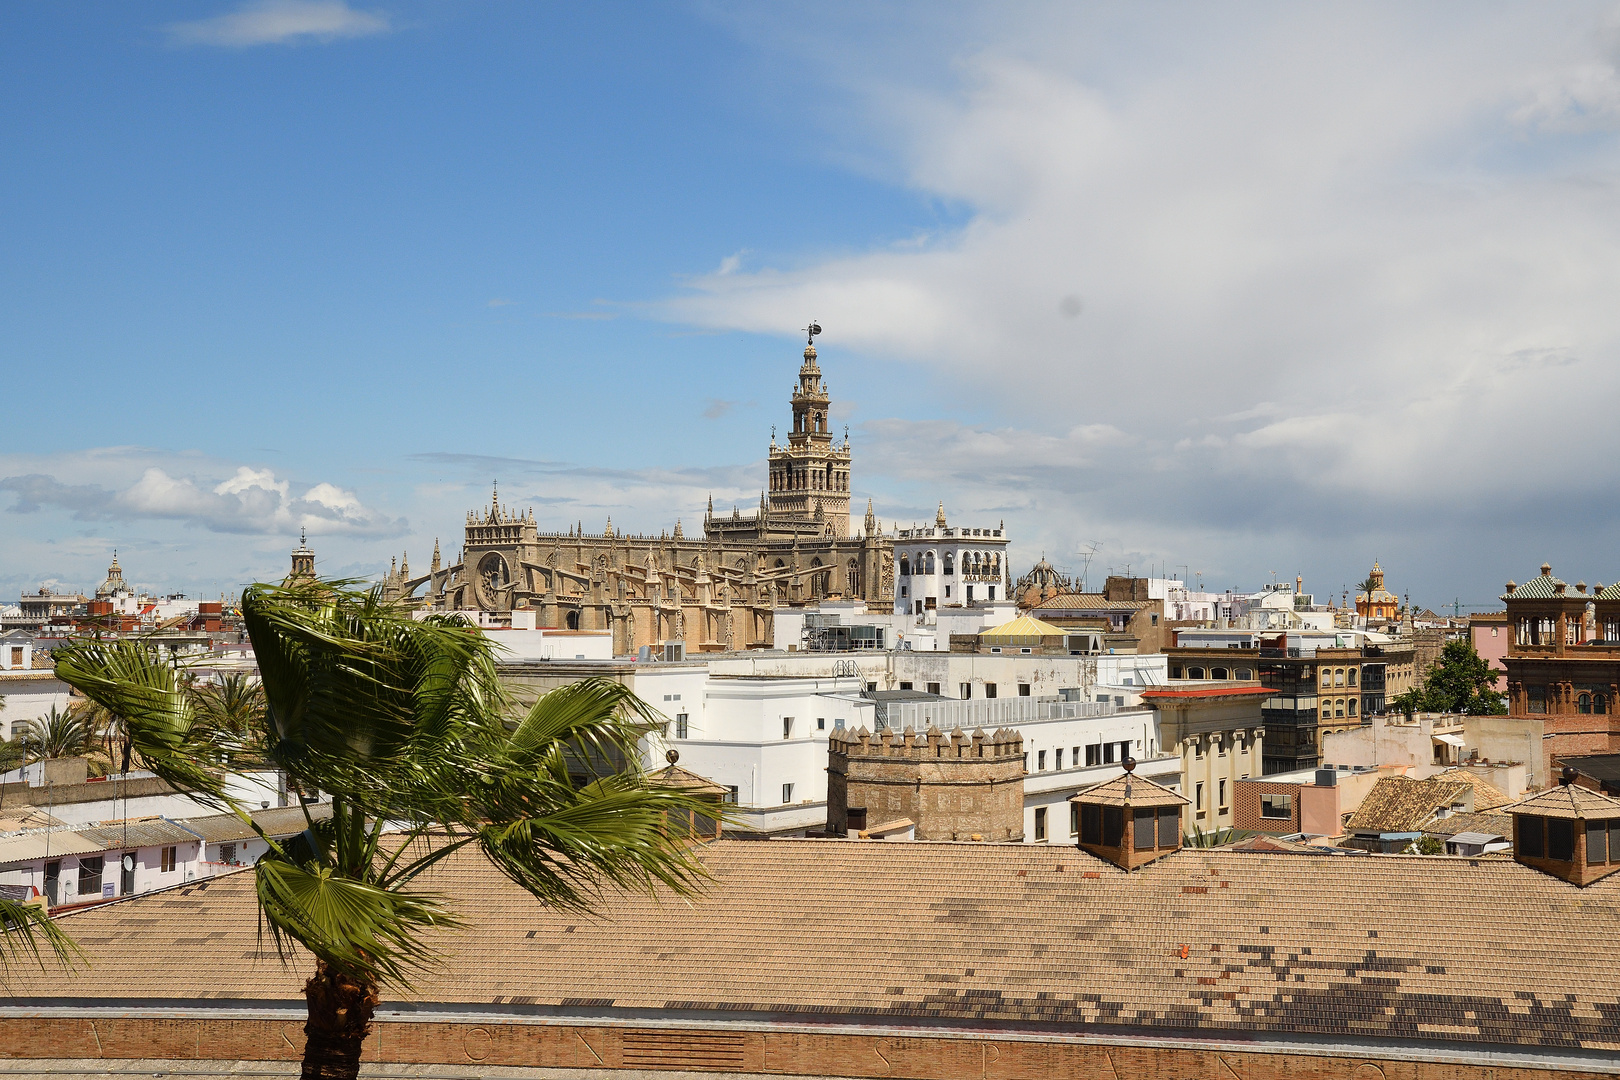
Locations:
(787, 730)
(1057, 759)
(1350, 707)
(821, 723)
(731, 795)
(227, 853)
(1040, 823)
(1537, 698)
(905, 686)
(1246, 674)
(1093, 756)
(1040, 761)
(787, 793)
(989, 689)
(871, 688)
(1599, 704)
(1144, 822)
(1597, 842)
(1561, 839)
(933, 688)
(1023, 689)
(947, 592)
(90, 875)
(1090, 823)
(1198, 798)
(1113, 826)
(681, 726)
(1198, 747)
(1327, 677)
(1108, 753)
(1584, 703)
(1531, 840)
(166, 861)
(1214, 673)
(1220, 748)
(838, 724)
(1074, 755)
(1276, 806)
(1338, 676)
(1221, 791)
(967, 690)
(1350, 677)
(1195, 673)
(1154, 619)
(1169, 826)
(1074, 819)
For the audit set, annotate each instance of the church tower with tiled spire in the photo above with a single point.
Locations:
(810, 475)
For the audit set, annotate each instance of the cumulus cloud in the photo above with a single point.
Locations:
(249, 501)
(281, 22)
(1306, 259)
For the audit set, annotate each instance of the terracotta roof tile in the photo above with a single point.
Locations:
(1568, 801)
(1399, 804)
(1129, 790)
(1417, 948)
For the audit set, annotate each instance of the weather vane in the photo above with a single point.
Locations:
(813, 329)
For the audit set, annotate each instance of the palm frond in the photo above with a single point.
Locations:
(129, 679)
(354, 926)
(23, 927)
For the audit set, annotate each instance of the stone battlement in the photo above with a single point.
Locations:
(931, 745)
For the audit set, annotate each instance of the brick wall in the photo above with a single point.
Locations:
(540, 1044)
(952, 787)
(1246, 806)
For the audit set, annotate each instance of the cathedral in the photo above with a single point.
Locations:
(711, 592)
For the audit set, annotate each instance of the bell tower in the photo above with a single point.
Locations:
(810, 475)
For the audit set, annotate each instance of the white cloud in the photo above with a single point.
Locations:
(129, 484)
(1316, 258)
(281, 22)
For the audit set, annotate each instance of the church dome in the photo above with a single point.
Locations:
(115, 580)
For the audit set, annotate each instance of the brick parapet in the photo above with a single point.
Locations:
(747, 1050)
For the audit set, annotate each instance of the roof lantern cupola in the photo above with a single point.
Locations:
(1130, 821)
(1568, 831)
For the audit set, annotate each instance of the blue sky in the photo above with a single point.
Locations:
(1246, 289)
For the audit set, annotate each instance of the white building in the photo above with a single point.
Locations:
(939, 566)
(28, 695)
(795, 628)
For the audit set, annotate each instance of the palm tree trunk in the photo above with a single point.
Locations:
(340, 1011)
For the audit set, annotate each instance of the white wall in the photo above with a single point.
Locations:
(28, 696)
(550, 644)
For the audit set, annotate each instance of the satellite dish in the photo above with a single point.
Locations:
(129, 864)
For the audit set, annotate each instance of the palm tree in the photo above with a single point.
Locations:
(403, 722)
(233, 707)
(1367, 587)
(61, 733)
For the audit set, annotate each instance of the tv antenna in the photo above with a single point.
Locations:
(1087, 553)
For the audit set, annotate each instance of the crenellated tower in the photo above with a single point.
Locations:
(810, 475)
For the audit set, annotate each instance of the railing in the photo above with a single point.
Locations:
(989, 713)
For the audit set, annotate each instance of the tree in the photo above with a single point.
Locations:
(233, 707)
(69, 732)
(1367, 587)
(403, 722)
(1460, 682)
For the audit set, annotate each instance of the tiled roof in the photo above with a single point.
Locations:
(1541, 587)
(1141, 792)
(1399, 804)
(1277, 846)
(40, 845)
(277, 821)
(1498, 823)
(1487, 796)
(1427, 949)
(1088, 602)
(1568, 801)
(1611, 592)
(676, 777)
(152, 832)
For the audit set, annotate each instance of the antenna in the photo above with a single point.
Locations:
(1086, 555)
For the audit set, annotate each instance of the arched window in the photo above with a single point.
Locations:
(1217, 673)
(905, 566)
(1350, 707)
(1600, 704)
(1246, 674)
(950, 563)
(1338, 708)
(853, 576)
(928, 563)
(1338, 676)
(573, 620)
(1327, 677)
(1584, 703)
(1195, 673)
(1350, 677)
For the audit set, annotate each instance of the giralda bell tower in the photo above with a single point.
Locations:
(810, 475)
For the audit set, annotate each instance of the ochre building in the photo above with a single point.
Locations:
(713, 591)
